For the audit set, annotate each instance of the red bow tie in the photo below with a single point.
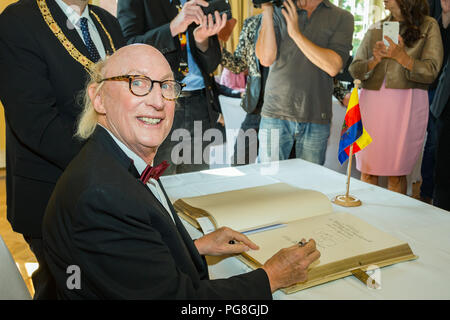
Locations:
(153, 172)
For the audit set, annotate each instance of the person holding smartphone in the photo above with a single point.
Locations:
(394, 98)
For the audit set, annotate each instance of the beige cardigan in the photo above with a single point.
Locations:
(427, 53)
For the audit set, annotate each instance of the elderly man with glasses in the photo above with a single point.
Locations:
(46, 50)
(110, 231)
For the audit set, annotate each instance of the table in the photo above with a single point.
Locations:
(424, 227)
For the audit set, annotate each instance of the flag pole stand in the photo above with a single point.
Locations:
(347, 200)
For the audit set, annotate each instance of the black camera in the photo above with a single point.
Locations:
(218, 5)
(277, 3)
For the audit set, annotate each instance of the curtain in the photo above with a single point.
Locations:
(109, 5)
(241, 10)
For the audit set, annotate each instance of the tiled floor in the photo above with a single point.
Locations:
(14, 241)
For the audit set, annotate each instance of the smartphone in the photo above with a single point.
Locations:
(391, 29)
(218, 5)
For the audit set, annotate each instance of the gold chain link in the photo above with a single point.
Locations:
(54, 27)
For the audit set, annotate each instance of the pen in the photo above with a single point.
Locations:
(302, 243)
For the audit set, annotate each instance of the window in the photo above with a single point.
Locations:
(366, 12)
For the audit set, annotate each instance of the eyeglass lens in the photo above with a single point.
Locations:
(141, 86)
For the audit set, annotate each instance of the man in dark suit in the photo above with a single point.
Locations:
(46, 48)
(188, 39)
(428, 159)
(441, 109)
(110, 231)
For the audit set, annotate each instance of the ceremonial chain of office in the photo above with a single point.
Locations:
(54, 27)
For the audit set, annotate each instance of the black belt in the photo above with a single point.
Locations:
(186, 94)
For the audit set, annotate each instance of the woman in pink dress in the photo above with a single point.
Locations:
(394, 99)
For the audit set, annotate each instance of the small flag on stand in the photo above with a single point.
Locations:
(353, 139)
(353, 132)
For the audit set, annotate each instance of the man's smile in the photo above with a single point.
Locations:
(148, 120)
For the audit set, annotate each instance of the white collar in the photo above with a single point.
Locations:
(73, 16)
(138, 162)
(140, 165)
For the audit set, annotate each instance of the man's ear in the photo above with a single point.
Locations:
(95, 95)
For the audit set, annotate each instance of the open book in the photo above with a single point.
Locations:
(279, 215)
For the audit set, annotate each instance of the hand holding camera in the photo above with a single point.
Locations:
(290, 15)
(210, 16)
(190, 13)
(210, 26)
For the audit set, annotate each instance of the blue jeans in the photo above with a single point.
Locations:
(277, 137)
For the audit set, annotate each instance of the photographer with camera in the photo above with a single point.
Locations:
(187, 37)
(306, 44)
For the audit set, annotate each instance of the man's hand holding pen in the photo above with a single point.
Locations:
(290, 265)
(287, 267)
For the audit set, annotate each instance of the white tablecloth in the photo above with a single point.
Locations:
(424, 227)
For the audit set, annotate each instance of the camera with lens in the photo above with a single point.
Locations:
(277, 3)
(222, 6)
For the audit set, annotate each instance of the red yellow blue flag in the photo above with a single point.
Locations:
(352, 130)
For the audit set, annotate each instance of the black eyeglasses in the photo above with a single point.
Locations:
(142, 85)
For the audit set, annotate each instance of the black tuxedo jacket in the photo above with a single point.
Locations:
(39, 84)
(104, 220)
(147, 21)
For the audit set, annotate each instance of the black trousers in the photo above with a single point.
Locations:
(441, 196)
(429, 154)
(246, 145)
(43, 282)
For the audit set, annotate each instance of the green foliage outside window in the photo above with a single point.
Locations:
(365, 12)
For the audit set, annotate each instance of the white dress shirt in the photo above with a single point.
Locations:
(140, 167)
(73, 21)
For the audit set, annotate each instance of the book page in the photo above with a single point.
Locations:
(338, 236)
(250, 208)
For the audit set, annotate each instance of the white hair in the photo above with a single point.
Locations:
(87, 121)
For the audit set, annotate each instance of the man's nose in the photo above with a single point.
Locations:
(155, 97)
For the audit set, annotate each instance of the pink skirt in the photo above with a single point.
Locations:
(396, 119)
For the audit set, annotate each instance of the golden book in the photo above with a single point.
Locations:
(280, 215)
